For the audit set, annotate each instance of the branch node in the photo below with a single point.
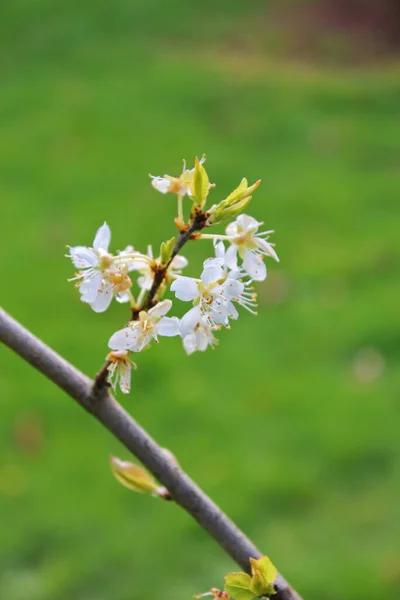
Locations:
(101, 379)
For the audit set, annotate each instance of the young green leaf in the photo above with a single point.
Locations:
(200, 184)
(166, 249)
(264, 574)
(242, 191)
(237, 585)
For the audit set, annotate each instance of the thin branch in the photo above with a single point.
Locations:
(101, 378)
(102, 405)
(197, 224)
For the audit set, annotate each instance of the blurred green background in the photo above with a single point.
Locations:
(292, 423)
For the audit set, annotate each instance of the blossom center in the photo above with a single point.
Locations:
(119, 280)
(105, 261)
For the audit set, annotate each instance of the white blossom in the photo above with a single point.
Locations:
(93, 260)
(250, 245)
(119, 370)
(196, 331)
(147, 265)
(150, 325)
(216, 292)
(114, 282)
(176, 185)
(170, 184)
(129, 257)
(99, 278)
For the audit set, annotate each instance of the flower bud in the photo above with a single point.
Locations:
(166, 249)
(233, 205)
(135, 478)
(221, 212)
(242, 191)
(199, 185)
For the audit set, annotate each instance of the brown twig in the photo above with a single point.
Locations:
(101, 378)
(197, 224)
(182, 489)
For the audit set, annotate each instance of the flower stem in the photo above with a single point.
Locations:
(140, 299)
(180, 208)
(213, 236)
(126, 257)
(198, 222)
(132, 300)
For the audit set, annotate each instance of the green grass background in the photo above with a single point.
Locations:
(274, 424)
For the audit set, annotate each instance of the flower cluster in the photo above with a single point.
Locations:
(225, 283)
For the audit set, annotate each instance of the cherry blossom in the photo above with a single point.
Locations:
(119, 369)
(147, 265)
(250, 246)
(176, 185)
(150, 325)
(196, 331)
(215, 292)
(99, 278)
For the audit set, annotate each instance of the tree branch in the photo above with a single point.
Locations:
(197, 224)
(101, 404)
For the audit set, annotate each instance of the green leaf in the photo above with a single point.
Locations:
(132, 476)
(166, 249)
(264, 574)
(240, 188)
(200, 185)
(237, 585)
(222, 212)
(242, 191)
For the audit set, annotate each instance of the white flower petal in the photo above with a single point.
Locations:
(190, 343)
(146, 281)
(161, 184)
(185, 288)
(212, 272)
(103, 298)
(179, 262)
(168, 326)
(232, 288)
(232, 312)
(138, 264)
(103, 238)
(236, 273)
(83, 257)
(125, 339)
(189, 321)
(232, 229)
(266, 247)
(160, 309)
(89, 287)
(199, 339)
(144, 340)
(214, 262)
(247, 224)
(202, 340)
(231, 257)
(220, 314)
(122, 297)
(254, 265)
(219, 249)
(125, 378)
